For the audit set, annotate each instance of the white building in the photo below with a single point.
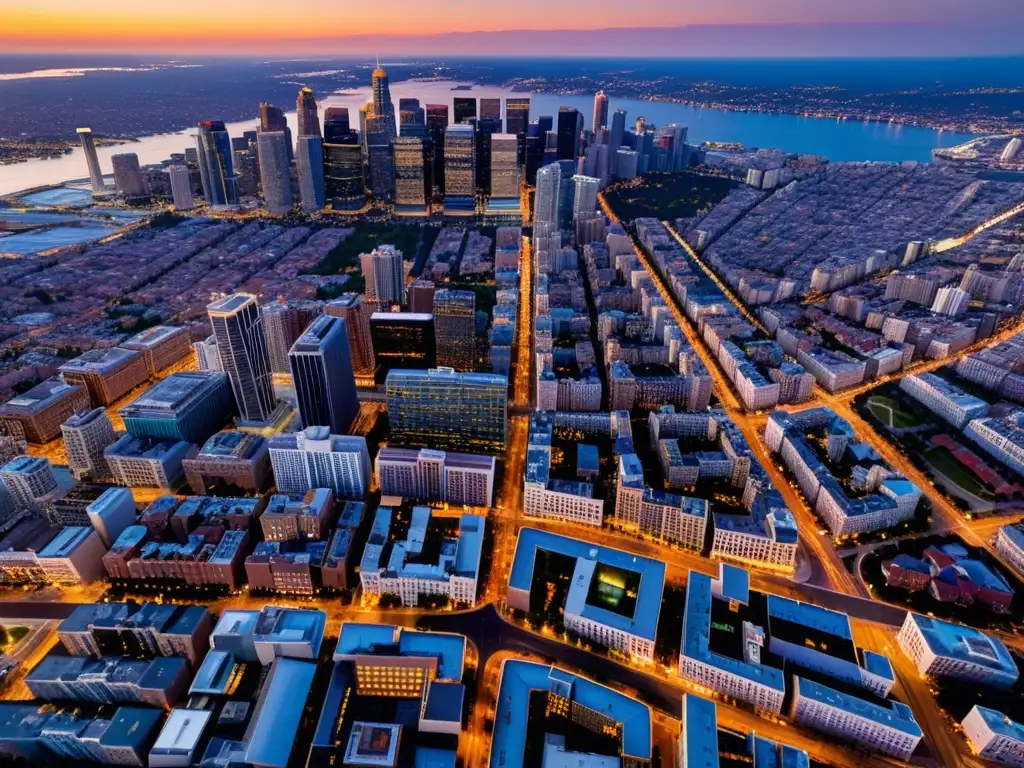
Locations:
(677, 519)
(314, 458)
(29, 480)
(428, 475)
(111, 513)
(86, 435)
(1010, 546)
(951, 301)
(1003, 439)
(181, 188)
(771, 543)
(385, 278)
(994, 736)
(207, 355)
(73, 557)
(952, 651)
(944, 399)
(572, 507)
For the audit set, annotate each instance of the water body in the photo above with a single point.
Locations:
(837, 140)
(26, 243)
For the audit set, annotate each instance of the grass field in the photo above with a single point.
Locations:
(344, 258)
(946, 463)
(889, 413)
(668, 195)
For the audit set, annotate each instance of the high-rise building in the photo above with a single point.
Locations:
(490, 109)
(344, 179)
(463, 108)
(545, 206)
(275, 171)
(459, 168)
(92, 160)
(410, 184)
(181, 187)
(517, 116)
(412, 121)
(437, 122)
(283, 323)
(380, 118)
(419, 295)
(213, 148)
(585, 196)
(505, 167)
(314, 458)
(402, 340)
(600, 112)
(86, 435)
(128, 175)
(384, 275)
(306, 114)
(570, 128)
(455, 329)
(271, 118)
(325, 384)
(672, 138)
(380, 153)
(309, 166)
(353, 309)
(242, 346)
(618, 130)
(444, 409)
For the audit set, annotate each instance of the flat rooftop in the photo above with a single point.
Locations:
(174, 391)
(100, 361)
(153, 336)
(965, 644)
(230, 304)
(40, 396)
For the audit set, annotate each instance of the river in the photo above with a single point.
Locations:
(835, 139)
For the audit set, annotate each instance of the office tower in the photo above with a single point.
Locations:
(353, 309)
(463, 109)
(410, 184)
(380, 116)
(584, 196)
(275, 171)
(92, 160)
(412, 122)
(314, 458)
(309, 166)
(336, 123)
(207, 356)
(443, 409)
(437, 122)
(306, 114)
(455, 329)
(29, 480)
(402, 340)
(505, 166)
(187, 406)
(344, 181)
(283, 323)
(483, 157)
(381, 159)
(420, 296)
(384, 275)
(322, 373)
(213, 148)
(459, 167)
(86, 435)
(545, 205)
(242, 346)
(247, 172)
(600, 112)
(181, 188)
(490, 109)
(672, 138)
(640, 125)
(533, 151)
(128, 175)
(271, 118)
(517, 116)
(570, 126)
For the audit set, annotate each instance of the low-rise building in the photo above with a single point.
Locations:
(158, 682)
(1010, 546)
(952, 651)
(73, 557)
(38, 413)
(108, 374)
(944, 399)
(994, 736)
(229, 458)
(270, 633)
(161, 346)
(189, 407)
(1002, 439)
(288, 519)
(147, 463)
(428, 475)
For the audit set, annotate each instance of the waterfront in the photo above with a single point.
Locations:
(837, 140)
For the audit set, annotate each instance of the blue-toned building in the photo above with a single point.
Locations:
(614, 597)
(952, 651)
(325, 384)
(189, 407)
(994, 736)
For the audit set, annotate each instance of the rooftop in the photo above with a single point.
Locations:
(153, 336)
(40, 396)
(100, 360)
(965, 644)
(1001, 724)
(174, 391)
(230, 304)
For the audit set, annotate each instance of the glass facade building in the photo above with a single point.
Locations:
(402, 340)
(325, 385)
(238, 327)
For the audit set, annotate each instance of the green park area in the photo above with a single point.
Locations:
(667, 195)
(947, 465)
(344, 258)
(889, 412)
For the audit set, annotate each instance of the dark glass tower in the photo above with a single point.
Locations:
(325, 385)
(570, 126)
(216, 169)
(464, 107)
(238, 327)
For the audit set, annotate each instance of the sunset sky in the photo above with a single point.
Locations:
(273, 26)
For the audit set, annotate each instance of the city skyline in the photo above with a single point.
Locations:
(110, 26)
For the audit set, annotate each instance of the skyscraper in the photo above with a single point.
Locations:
(92, 160)
(213, 148)
(618, 131)
(128, 175)
(545, 206)
(353, 309)
(490, 109)
(673, 138)
(402, 340)
(570, 126)
(412, 122)
(505, 167)
(325, 384)
(336, 123)
(455, 329)
(464, 108)
(242, 346)
(437, 122)
(273, 119)
(283, 323)
(410, 185)
(275, 171)
(600, 112)
(459, 169)
(443, 409)
(306, 114)
(517, 116)
(309, 167)
(344, 183)
(585, 196)
(381, 117)
(384, 275)
(380, 154)
(181, 187)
